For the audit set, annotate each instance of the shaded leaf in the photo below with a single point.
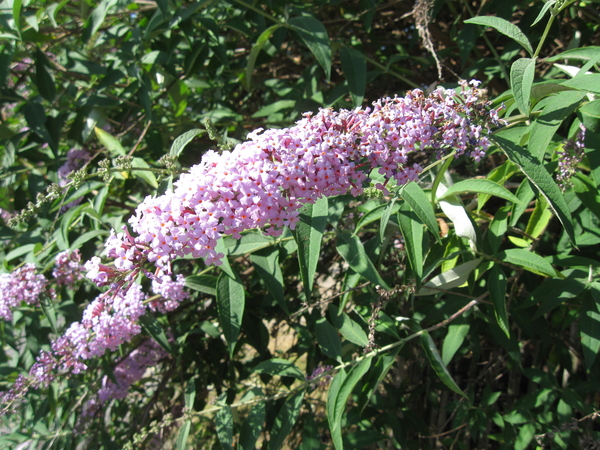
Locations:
(496, 283)
(412, 231)
(437, 364)
(279, 367)
(412, 194)
(285, 420)
(328, 339)
(527, 260)
(182, 140)
(354, 66)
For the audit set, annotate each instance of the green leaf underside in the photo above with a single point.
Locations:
(480, 186)
(521, 79)
(504, 27)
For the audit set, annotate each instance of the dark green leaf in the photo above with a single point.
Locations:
(420, 204)
(252, 426)
(353, 252)
(328, 339)
(43, 78)
(437, 364)
(354, 66)
(541, 179)
(457, 331)
(589, 326)
(335, 412)
(266, 263)
(285, 420)
(527, 260)
(559, 108)
(308, 235)
(230, 306)
(314, 35)
(224, 425)
(256, 48)
(496, 283)
(154, 329)
(347, 327)
(412, 231)
(279, 367)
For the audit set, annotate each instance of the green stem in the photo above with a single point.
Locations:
(259, 11)
(394, 74)
(545, 35)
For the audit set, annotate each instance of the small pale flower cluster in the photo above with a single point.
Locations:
(21, 285)
(68, 269)
(571, 155)
(171, 293)
(76, 159)
(319, 377)
(109, 321)
(265, 181)
(130, 370)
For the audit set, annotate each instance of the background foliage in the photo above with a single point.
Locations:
(500, 352)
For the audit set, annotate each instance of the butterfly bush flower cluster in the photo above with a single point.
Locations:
(265, 181)
(22, 285)
(261, 183)
(571, 155)
(68, 269)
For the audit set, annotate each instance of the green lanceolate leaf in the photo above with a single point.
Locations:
(385, 217)
(521, 79)
(154, 329)
(43, 78)
(498, 228)
(279, 367)
(348, 328)
(375, 376)
(230, 306)
(412, 231)
(457, 331)
(328, 339)
(541, 179)
(181, 141)
(256, 48)
(182, 436)
(504, 27)
(449, 279)
(111, 143)
(266, 263)
(496, 283)
(354, 66)
(224, 426)
(589, 325)
(480, 186)
(559, 108)
(420, 204)
(285, 420)
(437, 364)
(340, 396)
(190, 394)
(353, 252)
(202, 283)
(314, 35)
(253, 425)
(308, 235)
(527, 260)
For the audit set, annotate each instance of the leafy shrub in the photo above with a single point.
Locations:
(394, 277)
